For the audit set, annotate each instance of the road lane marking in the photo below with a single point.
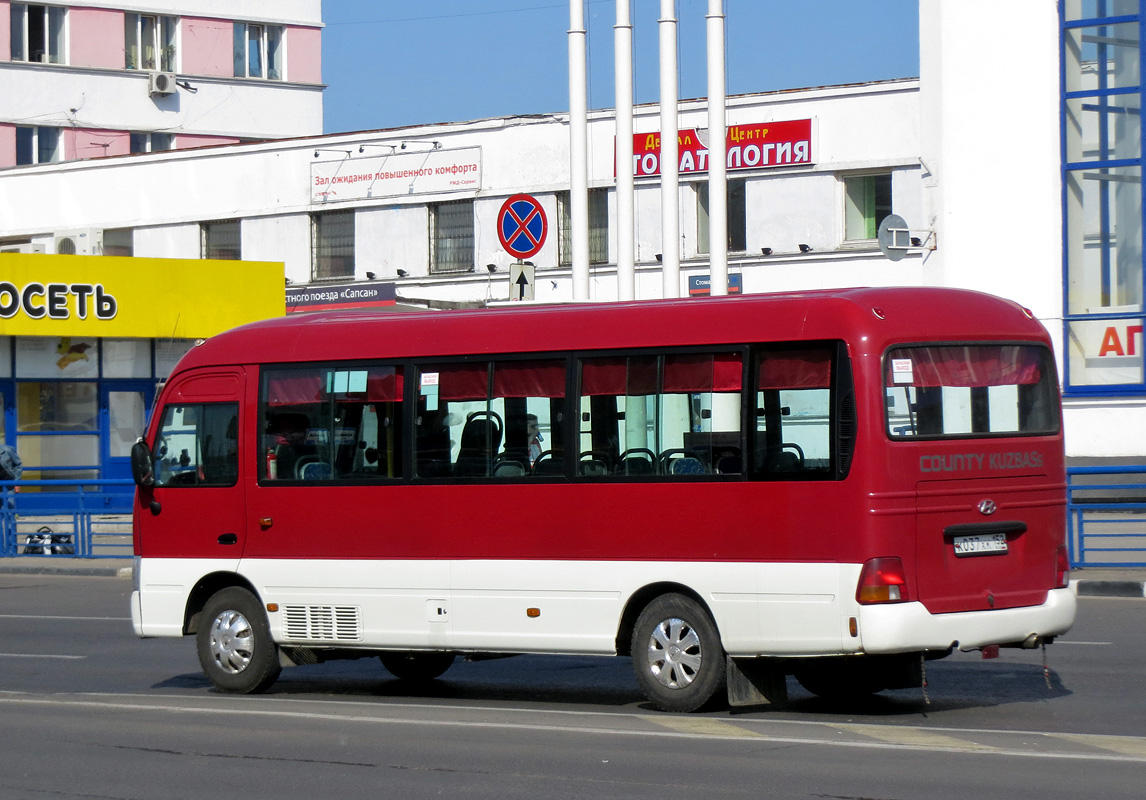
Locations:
(82, 619)
(1127, 745)
(112, 704)
(923, 737)
(704, 726)
(39, 655)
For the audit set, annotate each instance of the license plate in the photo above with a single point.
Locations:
(988, 545)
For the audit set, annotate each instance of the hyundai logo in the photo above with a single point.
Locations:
(987, 507)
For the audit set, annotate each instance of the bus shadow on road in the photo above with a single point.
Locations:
(590, 681)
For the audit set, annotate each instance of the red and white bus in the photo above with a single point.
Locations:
(834, 485)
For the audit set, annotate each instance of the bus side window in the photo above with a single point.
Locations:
(327, 423)
(793, 412)
(672, 415)
(198, 445)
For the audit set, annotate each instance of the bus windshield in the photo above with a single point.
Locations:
(962, 391)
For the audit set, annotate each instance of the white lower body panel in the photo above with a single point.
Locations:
(908, 627)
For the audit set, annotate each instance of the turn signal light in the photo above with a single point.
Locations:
(1062, 568)
(882, 581)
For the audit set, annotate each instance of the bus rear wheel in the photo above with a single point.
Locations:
(234, 643)
(677, 655)
(415, 666)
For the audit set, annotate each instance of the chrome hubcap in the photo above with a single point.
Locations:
(232, 642)
(674, 653)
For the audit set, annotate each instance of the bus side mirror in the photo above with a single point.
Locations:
(142, 469)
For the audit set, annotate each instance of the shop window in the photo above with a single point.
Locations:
(222, 239)
(500, 420)
(598, 228)
(737, 216)
(126, 358)
(258, 51)
(119, 242)
(867, 200)
(452, 237)
(331, 423)
(332, 245)
(38, 145)
(37, 33)
(56, 406)
(149, 42)
(1103, 203)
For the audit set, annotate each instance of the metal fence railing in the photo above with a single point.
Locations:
(64, 518)
(1106, 516)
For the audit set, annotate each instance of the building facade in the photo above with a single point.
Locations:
(84, 81)
(1034, 195)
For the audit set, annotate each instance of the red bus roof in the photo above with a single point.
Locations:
(871, 319)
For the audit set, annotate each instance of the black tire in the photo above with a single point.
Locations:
(234, 642)
(677, 654)
(416, 666)
(842, 678)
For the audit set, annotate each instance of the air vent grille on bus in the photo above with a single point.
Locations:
(322, 623)
(847, 433)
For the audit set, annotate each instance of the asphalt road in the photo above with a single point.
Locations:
(87, 710)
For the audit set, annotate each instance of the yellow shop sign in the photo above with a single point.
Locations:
(57, 295)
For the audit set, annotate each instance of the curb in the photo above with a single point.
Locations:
(1110, 588)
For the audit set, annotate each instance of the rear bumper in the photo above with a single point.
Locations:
(909, 627)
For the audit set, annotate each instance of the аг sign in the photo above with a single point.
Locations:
(760, 145)
(522, 226)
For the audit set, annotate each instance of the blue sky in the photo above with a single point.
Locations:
(390, 63)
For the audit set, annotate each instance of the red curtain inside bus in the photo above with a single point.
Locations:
(966, 366)
(298, 387)
(683, 374)
(470, 382)
(795, 369)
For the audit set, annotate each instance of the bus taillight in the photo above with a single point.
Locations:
(882, 581)
(1062, 568)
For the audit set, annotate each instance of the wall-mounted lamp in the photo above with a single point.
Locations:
(528, 263)
(403, 273)
(370, 276)
(289, 281)
(916, 241)
(766, 251)
(658, 256)
(326, 150)
(492, 268)
(805, 248)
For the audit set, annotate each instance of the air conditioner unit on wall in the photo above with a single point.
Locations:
(161, 83)
(79, 243)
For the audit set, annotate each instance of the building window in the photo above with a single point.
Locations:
(38, 145)
(598, 228)
(119, 242)
(222, 239)
(258, 51)
(1102, 178)
(452, 237)
(37, 33)
(149, 42)
(737, 217)
(151, 142)
(332, 245)
(867, 200)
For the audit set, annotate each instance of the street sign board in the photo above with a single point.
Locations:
(522, 226)
(520, 281)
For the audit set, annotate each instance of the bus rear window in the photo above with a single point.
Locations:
(960, 391)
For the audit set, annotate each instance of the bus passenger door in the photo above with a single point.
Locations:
(196, 508)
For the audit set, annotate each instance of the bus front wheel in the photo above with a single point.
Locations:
(234, 642)
(677, 655)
